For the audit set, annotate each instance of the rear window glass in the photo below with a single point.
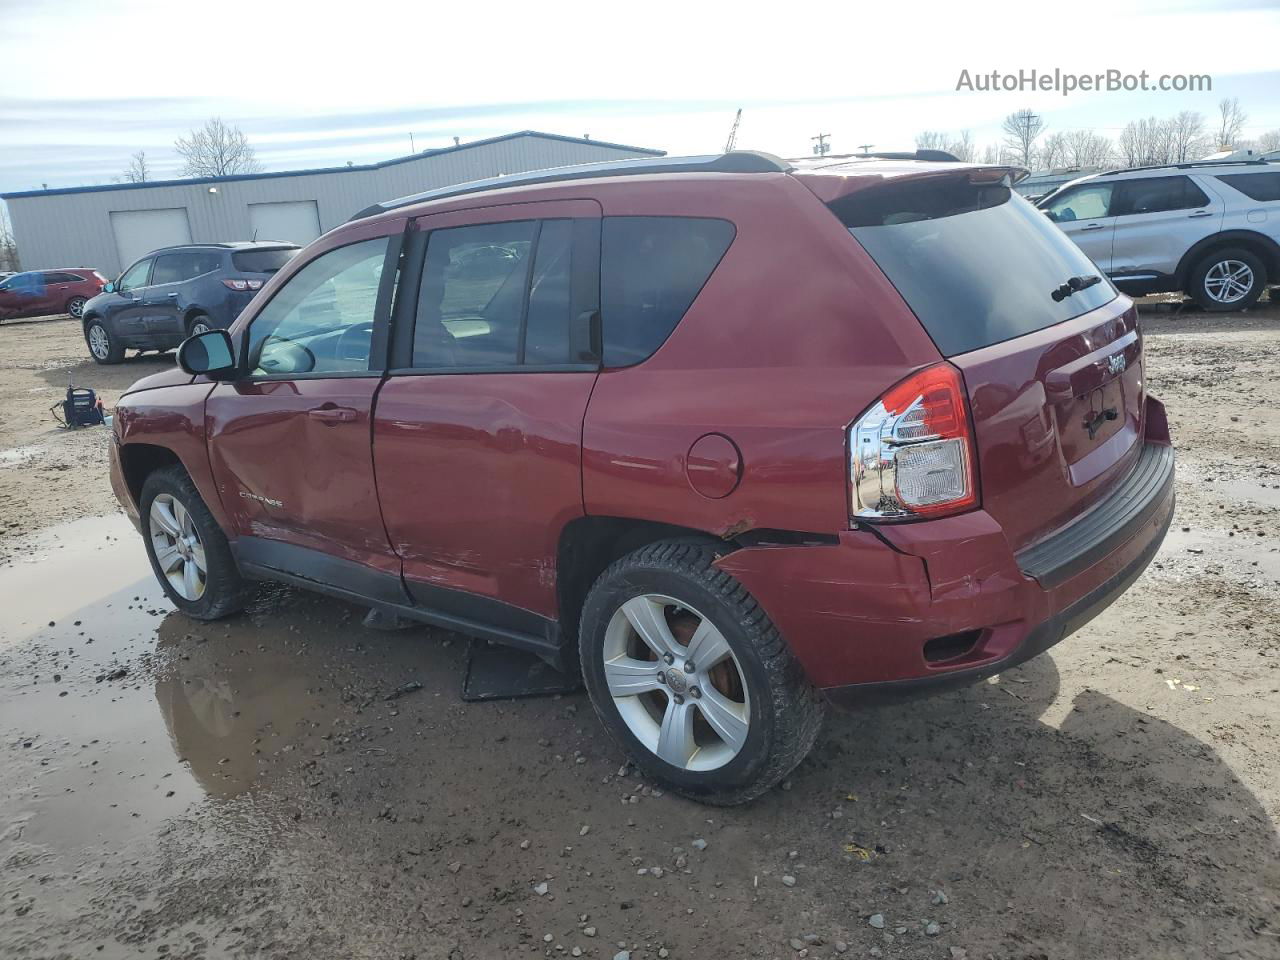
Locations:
(261, 261)
(651, 269)
(976, 263)
(1256, 186)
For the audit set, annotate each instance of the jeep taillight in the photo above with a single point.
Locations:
(911, 454)
(235, 283)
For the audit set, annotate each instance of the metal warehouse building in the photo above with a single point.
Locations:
(108, 227)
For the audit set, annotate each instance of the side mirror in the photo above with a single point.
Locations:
(209, 353)
(110, 287)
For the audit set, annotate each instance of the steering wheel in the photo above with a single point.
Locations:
(347, 349)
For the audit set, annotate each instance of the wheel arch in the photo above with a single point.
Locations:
(1259, 244)
(139, 460)
(191, 313)
(588, 545)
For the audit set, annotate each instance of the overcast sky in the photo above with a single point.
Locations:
(85, 83)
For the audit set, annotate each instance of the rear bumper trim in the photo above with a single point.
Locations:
(1058, 558)
(1039, 639)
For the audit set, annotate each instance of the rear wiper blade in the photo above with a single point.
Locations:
(1074, 284)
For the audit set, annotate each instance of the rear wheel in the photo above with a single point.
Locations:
(75, 306)
(691, 678)
(103, 347)
(197, 325)
(189, 553)
(1228, 279)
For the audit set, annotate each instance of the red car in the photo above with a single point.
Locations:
(735, 438)
(40, 292)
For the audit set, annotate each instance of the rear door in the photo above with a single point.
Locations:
(289, 444)
(477, 432)
(1085, 213)
(1158, 219)
(1053, 369)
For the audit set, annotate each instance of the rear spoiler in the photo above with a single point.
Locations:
(828, 184)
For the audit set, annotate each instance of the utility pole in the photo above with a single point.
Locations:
(821, 148)
(733, 132)
(412, 148)
(865, 147)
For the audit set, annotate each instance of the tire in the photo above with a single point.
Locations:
(169, 503)
(199, 323)
(1216, 280)
(75, 307)
(757, 678)
(103, 347)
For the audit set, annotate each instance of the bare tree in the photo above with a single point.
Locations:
(1055, 151)
(1021, 130)
(963, 148)
(8, 245)
(1269, 141)
(1232, 122)
(931, 140)
(991, 153)
(1145, 142)
(216, 150)
(139, 170)
(1084, 148)
(1187, 134)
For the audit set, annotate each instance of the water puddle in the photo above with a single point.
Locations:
(1267, 494)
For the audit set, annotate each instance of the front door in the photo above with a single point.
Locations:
(126, 310)
(477, 432)
(289, 442)
(1085, 214)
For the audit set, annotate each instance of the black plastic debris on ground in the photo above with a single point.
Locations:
(495, 672)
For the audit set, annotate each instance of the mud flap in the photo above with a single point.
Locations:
(499, 672)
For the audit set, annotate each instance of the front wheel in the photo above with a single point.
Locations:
(1229, 279)
(691, 678)
(189, 553)
(103, 347)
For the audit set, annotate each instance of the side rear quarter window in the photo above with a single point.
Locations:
(1255, 186)
(651, 270)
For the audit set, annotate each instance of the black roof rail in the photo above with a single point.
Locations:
(738, 161)
(1257, 161)
(933, 156)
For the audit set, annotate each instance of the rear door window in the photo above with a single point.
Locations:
(1158, 194)
(975, 262)
(1255, 186)
(651, 270)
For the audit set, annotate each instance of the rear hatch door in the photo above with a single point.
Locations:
(1050, 353)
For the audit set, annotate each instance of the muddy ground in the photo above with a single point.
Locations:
(247, 788)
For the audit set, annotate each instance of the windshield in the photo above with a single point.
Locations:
(975, 262)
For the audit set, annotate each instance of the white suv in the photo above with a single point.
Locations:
(1211, 229)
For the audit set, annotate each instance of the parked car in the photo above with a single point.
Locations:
(734, 438)
(175, 292)
(38, 293)
(1210, 229)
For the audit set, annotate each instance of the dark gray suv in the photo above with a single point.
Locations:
(175, 292)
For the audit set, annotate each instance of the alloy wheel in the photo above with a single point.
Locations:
(178, 550)
(676, 683)
(99, 342)
(76, 307)
(199, 327)
(1228, 281)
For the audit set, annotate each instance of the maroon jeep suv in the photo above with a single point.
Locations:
(735, 438)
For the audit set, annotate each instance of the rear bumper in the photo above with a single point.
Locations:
(859, 614)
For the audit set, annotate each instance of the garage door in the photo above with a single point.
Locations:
(138, 232)
(295, 221)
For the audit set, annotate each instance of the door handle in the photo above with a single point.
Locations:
(331, 415)
(1200, 213)
(173, 296)
(1091, 226)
